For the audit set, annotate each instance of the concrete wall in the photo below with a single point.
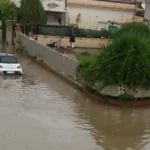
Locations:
(95, 18)
(54, 5)
(67, 65)
(80, 42)
(60, 62)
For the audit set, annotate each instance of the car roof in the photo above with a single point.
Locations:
(7, 54)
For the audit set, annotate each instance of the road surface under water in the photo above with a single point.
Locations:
(41, 112)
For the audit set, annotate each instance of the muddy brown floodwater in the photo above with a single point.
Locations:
(41, 112)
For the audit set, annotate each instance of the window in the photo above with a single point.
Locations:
(8, 59)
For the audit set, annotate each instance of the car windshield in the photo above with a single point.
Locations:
(8, 59)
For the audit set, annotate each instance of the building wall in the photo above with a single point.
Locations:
(54, 59)
(54, 8)
(94, 18)
(54, 5)
(147, 11)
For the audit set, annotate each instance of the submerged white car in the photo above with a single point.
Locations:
(9, 64)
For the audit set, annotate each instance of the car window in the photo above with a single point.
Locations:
(8, 59)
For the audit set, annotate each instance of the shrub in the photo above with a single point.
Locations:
(126, 97)
(21, 47)
(86, 75)
(125, 62)
(136, 28)
(85, 57)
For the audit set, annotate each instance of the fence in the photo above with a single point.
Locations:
(60, 62)
(64, 31)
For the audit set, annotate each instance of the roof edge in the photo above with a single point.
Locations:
(102, 4)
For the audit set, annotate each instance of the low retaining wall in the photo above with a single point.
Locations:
(106, 100)
(60, 62)
(80, 42)
(67, 65)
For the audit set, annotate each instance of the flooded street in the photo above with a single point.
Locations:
(38, 111)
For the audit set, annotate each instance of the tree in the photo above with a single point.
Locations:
(7, 11)
(32, 11)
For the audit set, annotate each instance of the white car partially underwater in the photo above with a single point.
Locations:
(9, 64)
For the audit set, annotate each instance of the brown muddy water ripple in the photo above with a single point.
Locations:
(39, 111)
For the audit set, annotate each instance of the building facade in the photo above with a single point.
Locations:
(87, 14)
(55, 10)
(96, 14)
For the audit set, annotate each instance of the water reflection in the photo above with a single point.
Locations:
(115, 128)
